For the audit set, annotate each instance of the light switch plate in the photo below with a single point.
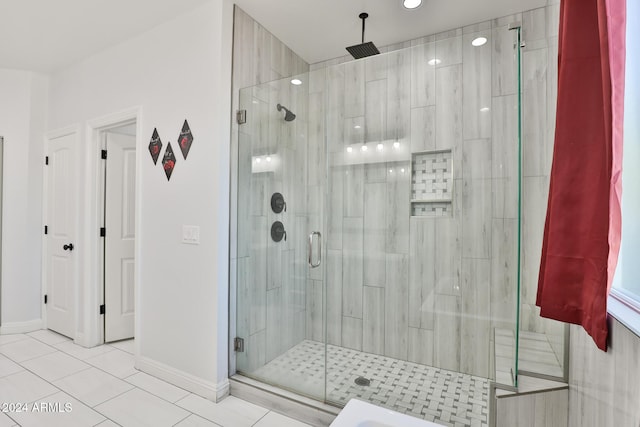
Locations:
(191, 234)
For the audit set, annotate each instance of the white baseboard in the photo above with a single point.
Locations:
(21, 327)
(81, 340)
(207, 389)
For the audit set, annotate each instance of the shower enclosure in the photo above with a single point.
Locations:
(379, 223)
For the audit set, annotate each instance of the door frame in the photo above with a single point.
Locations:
(1, 212)
(48, 137)
(94, 220)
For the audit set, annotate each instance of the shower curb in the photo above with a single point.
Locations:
(278, 400)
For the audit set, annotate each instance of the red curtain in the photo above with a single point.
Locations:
(583, 223)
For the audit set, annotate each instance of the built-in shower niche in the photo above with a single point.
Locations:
(432, 183)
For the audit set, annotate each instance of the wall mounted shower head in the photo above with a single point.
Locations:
(288, 115)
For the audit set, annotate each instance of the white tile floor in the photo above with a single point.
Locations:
(103, 388)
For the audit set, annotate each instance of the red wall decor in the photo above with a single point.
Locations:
(185, 139)
(155, 145)
(168, 161)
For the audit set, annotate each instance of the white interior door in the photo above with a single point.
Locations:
(61, 235)
(120, 236)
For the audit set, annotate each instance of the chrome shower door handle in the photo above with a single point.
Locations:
(311, 264)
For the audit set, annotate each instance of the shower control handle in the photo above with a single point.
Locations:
(311, 263)
(277, 203)
(278, 232)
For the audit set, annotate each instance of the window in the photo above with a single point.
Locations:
(626, 284)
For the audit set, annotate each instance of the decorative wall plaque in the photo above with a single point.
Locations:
(155, 145)
(185, 139)
(168, 161)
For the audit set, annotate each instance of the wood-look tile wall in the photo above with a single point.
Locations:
(461, 281)
(429, 290)
(268, 279)
(548, 409)
(539, 86)
(416, 288)
(604, 388)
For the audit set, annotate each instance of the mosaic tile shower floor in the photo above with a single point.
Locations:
(444, 397)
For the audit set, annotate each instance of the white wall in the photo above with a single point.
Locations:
(179, 70)
(22, 122)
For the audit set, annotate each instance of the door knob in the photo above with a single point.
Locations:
(68, 247)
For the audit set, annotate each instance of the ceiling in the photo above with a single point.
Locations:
(46, 35)
(321, 29)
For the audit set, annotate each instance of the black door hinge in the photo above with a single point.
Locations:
(103, 232)
(102, 309)
(238, 344)
(46, 229)
(45, 299)
(46, 160)
(103, 154)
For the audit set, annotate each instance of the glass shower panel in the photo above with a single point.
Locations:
(506, 221)
(276, 308)
(543, 343)
(399, 175)
(368, 158)
(422, 221)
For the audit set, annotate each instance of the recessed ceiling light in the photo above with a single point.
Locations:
(380, 147)
(356, 127)
(479, 41)
(296, 82)
(258, 160)
(268, 158)
(364, 147)
(484, 109)
(396, 145)
(434, 61)
(411, 4)
(349, 149)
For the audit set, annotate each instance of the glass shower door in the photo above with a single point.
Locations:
(422, 224)
(279, 296)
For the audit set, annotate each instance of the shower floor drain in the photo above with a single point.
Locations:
(362, 381)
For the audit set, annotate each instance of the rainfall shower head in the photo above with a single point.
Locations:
(363, 49)
(288, 115)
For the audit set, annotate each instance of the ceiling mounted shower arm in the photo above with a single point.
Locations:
(363, 16)
(363, 49)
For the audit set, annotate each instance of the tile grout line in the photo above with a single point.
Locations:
(193, 413)
(74, 357)
(107, 419)
(145, 391)
(63, 391)
(16, 423)
(159, 379)
(59, 390)
(26, 360)
(254, 424)
(94, 407)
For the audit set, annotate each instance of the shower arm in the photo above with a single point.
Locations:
(363, 16)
